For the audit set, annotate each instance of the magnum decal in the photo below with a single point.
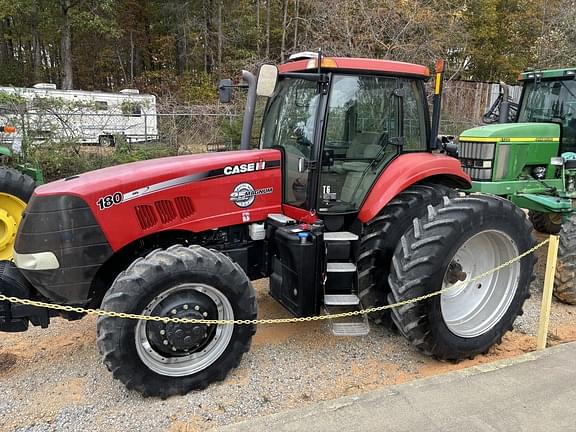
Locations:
(244, 194)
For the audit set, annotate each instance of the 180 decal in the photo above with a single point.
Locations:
(109, 200)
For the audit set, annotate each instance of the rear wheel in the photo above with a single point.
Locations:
(159, 359)
(15, 191)
(381, 236)
(547, 223)
(455, 242)
(565, 278)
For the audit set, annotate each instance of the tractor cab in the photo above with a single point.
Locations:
(550, 96)
(338, 128)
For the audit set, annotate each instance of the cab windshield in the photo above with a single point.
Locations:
(552, 101)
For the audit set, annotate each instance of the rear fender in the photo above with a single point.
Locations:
(407, 170)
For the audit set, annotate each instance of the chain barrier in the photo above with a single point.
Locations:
(101, 312)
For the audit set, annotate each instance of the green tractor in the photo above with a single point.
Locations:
(532, 162)
(17, 182)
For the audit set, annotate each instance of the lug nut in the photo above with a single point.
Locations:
(197, 307)
(204, 314)
(185, 307)
(173, 348)
(162, 332)
(165, 342)
(173, 311)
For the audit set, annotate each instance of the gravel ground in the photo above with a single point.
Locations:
(53, 380)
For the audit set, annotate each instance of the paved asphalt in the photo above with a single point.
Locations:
(533, 392)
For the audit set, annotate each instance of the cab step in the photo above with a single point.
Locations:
(340, 267)
(357, 325)
(340, 245)
(341, 300)
(340, 236)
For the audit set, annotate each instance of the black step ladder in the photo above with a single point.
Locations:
(341, 285)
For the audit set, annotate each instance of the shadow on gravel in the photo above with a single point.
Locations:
(7, 361)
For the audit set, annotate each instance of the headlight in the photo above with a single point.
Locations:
(539, 172)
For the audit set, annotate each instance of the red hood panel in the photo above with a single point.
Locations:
(139, 174)
(192, 193)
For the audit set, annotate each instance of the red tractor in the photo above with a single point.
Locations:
(344, 206)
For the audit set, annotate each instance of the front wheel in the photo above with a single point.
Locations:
(547, 223)
(456, 241)
(159, 359)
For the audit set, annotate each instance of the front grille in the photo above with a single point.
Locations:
(477, 159)
(65, 226)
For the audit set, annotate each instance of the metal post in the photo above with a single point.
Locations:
(505, 104)
(249, 111)
(437, 104)
(547, 294)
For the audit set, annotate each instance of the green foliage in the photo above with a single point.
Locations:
(501, 34)
(9, 100)
(66, 158)
(180, 49)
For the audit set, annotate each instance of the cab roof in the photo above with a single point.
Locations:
(564, 73)
(356, 65)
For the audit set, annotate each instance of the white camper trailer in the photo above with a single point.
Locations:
(88, 117)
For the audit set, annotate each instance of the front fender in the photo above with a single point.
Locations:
(406, 170)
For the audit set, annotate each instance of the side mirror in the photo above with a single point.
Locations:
(267, 78)
(225, 90)
(557, 161)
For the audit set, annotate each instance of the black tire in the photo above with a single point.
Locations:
(106, 141)
(420, 266)
(381, 236)
(141, 285)
(13, 182)
(565, 277)
(544, 222)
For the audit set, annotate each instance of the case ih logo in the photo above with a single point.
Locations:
(244, 194)
(244, 168)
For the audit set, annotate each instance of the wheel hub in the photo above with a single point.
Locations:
(177, 339)
(455, 274)
(155, 349)
(8, 228)
(11, 209)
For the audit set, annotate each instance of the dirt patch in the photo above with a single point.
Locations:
(7, 361)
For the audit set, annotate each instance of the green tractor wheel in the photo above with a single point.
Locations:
(547, 223)
(565, 278)
(15, 191)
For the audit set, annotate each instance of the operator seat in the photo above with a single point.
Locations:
(364, 146)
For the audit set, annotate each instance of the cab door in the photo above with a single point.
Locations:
(290, 125)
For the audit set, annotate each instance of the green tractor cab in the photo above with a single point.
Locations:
(532, 162)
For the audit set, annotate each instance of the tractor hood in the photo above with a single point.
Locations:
(194, 193)
(513, 132)
(137, 175)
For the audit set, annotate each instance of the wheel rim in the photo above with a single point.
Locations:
(555, 218)
(184, 363)
(473, 308)
(11, 209)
